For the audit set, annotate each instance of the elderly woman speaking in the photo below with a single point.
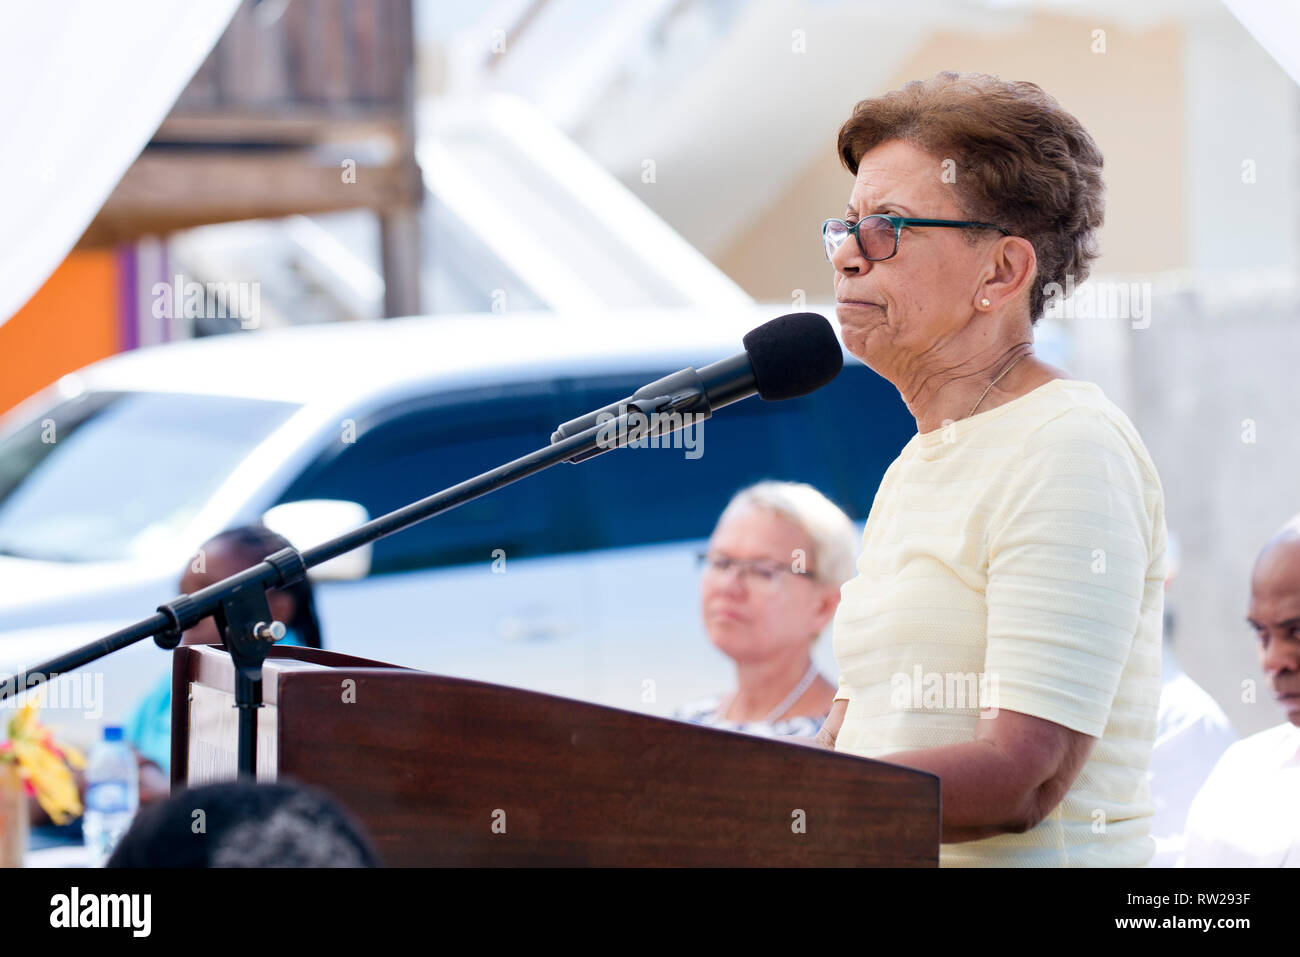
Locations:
(1003, 630)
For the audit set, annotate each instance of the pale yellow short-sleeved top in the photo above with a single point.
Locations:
(1020, 552)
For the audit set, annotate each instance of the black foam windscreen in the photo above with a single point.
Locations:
(793, 355)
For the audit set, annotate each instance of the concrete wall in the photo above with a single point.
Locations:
(1217, 361)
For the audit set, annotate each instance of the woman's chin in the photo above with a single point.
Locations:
(859, 345)
(860, 336)
(732, 642)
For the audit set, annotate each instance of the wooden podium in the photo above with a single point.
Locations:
(444, 771)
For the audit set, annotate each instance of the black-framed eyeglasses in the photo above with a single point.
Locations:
(878, 234)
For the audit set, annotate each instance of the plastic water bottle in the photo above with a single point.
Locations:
(112, 794)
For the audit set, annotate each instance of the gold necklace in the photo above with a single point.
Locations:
(995, 382)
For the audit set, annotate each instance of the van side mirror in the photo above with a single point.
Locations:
(311, 521)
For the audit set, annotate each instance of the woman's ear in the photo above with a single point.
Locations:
(1009, 274)
(827, 602)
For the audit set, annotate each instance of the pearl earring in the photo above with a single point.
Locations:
(984, 303)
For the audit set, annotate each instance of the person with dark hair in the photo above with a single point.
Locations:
(234, 550)
(1003, 630)
(243, 824)
(149, 728)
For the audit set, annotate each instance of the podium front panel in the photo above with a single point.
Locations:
(445, 771)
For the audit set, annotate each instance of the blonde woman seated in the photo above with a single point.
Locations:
(769, 587)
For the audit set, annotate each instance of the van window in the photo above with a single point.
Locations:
(408, 453)
(119, 475)
(840, 439)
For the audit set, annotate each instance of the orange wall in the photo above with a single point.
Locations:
(70, 322)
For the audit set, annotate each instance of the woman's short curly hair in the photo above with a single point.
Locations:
(1021, 161)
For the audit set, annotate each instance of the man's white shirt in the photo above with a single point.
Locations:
(1248, 812)
(1192, 734)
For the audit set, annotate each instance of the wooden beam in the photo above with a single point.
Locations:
(399, 238)
(290, 125)
(163, 191)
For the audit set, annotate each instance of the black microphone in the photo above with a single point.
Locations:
(783, 359)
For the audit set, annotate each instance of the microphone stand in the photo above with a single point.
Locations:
(238, 604)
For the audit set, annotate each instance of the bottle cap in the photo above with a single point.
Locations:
(112, 732)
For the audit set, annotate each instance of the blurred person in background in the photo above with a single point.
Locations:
(1192, 732)
(1247, 814)
(148, 729)
(769, 587)
(246, 824)
(1017, 543)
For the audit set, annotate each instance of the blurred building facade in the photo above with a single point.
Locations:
(300, 108)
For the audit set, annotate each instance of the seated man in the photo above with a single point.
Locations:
(1248, 812)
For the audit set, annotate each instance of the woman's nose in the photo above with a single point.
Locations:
(848, 259)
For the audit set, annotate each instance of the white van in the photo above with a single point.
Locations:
(580, 581)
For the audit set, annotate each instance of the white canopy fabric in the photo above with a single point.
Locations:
(86, 84)
(1275, 25)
